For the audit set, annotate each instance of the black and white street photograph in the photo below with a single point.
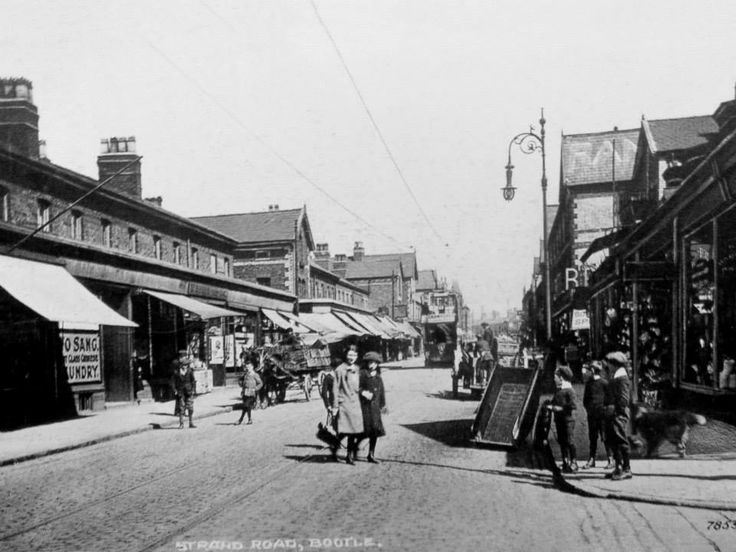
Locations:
(367, 276)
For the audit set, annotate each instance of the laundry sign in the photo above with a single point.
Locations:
(81, 353)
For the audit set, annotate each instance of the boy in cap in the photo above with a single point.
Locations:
(184, 387)
(617, 403)
(594, 403)
(563, 405)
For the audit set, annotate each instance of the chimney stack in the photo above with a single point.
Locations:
(115, 153)
(18, 117)
(358, 251)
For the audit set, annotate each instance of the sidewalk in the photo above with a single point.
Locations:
(705, 478)
(112, 423)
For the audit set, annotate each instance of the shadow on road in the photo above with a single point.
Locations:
(447, 395)
(454, 433)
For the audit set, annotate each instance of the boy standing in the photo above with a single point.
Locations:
(617, 403)
(594, 403)
(564, 405)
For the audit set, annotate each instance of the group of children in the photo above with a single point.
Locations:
(606, 401)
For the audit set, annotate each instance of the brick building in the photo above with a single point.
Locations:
(273, 247)
(168, 275)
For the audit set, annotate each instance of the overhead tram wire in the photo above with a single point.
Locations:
(268, 146)
(373, 121)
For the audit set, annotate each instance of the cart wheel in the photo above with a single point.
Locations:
(307, 387)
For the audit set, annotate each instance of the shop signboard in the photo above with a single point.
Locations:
(440, 318)
(81, 353)
(580, 319)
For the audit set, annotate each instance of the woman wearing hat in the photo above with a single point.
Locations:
(346, 403)
(372, 402)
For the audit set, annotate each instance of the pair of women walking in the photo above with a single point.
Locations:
(358, 400)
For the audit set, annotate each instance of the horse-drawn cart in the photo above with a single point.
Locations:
(290, 367)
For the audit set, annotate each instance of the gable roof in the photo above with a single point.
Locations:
(587, 158)
(263, 226)
(427, 280)
(368, 268)
(408, 260)
(682, 133)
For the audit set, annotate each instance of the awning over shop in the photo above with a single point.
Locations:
(328, 325)
(54, 294)
(388, 326)
(201, 309)
(372, 326)
(297, 322)
(354, 325)
(277, 319)
(409, 329)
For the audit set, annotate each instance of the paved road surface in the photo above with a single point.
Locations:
(271, 486)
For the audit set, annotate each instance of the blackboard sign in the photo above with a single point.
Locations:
(508, 399)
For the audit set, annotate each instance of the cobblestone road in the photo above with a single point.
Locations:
(271, 486)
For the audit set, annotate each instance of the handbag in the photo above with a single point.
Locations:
(326, 432)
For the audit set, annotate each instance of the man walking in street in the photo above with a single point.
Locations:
(617, 403)
(184, 387)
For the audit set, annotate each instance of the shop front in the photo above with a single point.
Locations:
(51, 343)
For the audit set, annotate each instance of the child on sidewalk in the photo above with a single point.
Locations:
(593, 402)
(563, 405)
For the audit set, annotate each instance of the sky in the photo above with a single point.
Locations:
(389, 119)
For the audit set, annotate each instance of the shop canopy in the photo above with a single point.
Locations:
(388, 326)
(297, 323)
(201, 309)
(329, 325)
(410, 330)
(277, 319)
(56, 295)
(350, 322)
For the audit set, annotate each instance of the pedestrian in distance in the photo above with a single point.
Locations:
(617, 402)
(250, 384)
(346, 403)
(182, 359)
(564, 405)
(184, 387)
(594, 396)
(372, 402)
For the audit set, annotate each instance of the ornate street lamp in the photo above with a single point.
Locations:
(531, 142)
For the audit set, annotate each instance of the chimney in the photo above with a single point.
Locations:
(115, 153)
(274, 207)
(18, 117)
(42, 155)
(358, 251)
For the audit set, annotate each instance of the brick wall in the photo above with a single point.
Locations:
(252, 270)
(23, 208)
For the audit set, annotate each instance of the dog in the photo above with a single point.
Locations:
(655, 426)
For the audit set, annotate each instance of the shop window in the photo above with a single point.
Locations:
(132, 240)
(699, 288)
(177, 252)
(195, 258)
(106, 233)
(157, 247)
(43, 215)
(77, 225)
(726, 338)
(4, 205)
(654, 341)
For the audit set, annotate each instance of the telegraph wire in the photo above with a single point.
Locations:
(372, 119)
(268, 146)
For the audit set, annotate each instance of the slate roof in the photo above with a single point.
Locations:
(409, 260)
(254, 227)
(427, 280)
(372, 269)
(586, 158)
(677, 134)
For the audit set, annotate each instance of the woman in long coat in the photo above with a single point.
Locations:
(372, 402)
(346, 402)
